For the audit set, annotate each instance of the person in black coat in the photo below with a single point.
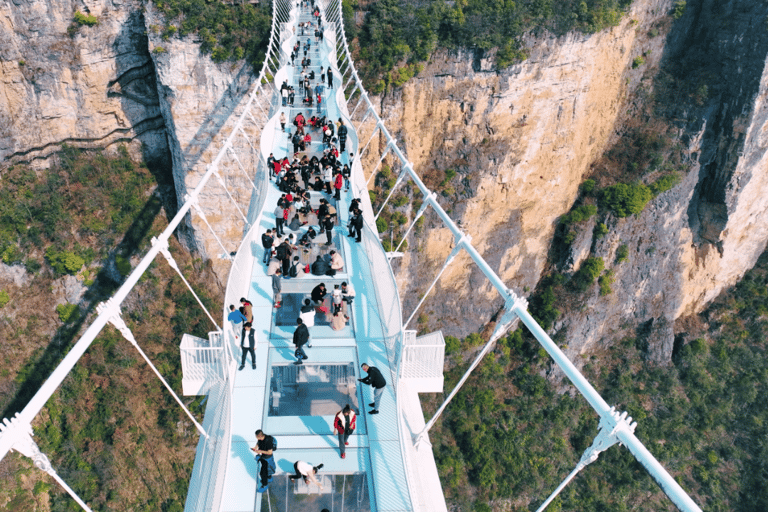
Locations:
(247, 343)
(318, 293)
(357, 224)
(320, 267)
(328, 225)
(377, 382)
(300, 338)
(342, 136)
(266, 241)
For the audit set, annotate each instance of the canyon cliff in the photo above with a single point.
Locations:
(524, 138)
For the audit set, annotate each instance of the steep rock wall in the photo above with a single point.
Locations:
(522, 140)
(201, 101)
(90, 90)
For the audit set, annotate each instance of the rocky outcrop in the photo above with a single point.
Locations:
(201, 101)
(85, 86)
(523, 139)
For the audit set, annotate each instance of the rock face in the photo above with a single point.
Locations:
(201, 102)
(523, 139)
(91, 89)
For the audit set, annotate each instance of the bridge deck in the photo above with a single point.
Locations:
(373, 466)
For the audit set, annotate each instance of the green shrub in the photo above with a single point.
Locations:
(4, 298)
(664, 183)
(399, 200)
(158, 50)
(605, 281)
(679, 9)
(68, 312)
(64, 262)
(600, 230)
(625, 199)
(621, 253)
(638, 61)
(585, 277)
(579, 214)
(123, 265)
(382, 225)
(452, 344)
(587, 187)
(85, 19)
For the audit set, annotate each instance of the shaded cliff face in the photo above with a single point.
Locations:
(90, 90)
(522, 140)
(201, 101)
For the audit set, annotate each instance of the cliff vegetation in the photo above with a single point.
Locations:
(70, 236)
(705, 417)
(398, 32)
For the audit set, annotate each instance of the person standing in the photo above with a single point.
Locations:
(337, 184)
(300, 338)
(283, 120)
(307, 472)
(342, 136)
(235, 316)
(265, 446)
(247, 344)
(377, 382)
(267, 240)
(247, 309)
(277, 287)
(344, 426)
(330, 78)
(357, 223)
(328, 225)
(279, 220)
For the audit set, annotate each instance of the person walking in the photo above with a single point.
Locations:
(300, 338)
(277, 287)
(247, 344)
(307, 472)
(343, 427)
(265, 446)
(283, 120)
(267, 240)
(377, 382)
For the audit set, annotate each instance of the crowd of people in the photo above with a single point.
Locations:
(310, 181)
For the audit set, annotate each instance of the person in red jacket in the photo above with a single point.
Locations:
(337, 184)
(344, 426)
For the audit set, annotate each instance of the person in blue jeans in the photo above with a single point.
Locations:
(265, 445)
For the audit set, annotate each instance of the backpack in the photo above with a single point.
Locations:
(293, 272)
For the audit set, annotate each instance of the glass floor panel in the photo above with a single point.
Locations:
(341, 493)
(312, 389)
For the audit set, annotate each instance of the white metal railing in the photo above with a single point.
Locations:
(202, 363)
(423, 357)
(618, 426)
